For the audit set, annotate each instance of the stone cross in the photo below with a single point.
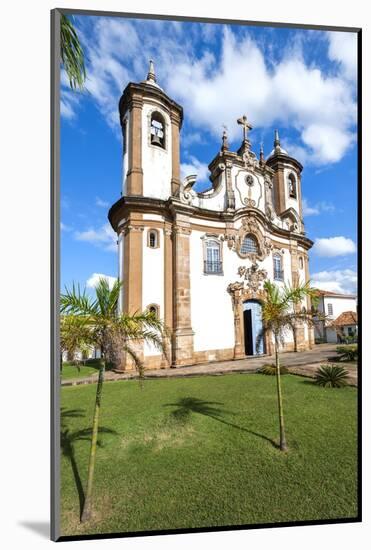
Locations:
(245, 125)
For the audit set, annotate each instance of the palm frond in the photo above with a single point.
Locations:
(72, 54)
(77, 302)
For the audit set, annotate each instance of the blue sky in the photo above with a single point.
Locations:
(301, 82)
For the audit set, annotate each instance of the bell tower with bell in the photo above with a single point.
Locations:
(150, 122)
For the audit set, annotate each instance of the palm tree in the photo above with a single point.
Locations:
(107, 326)
(72, 54)
(279, 314)
(75, 335)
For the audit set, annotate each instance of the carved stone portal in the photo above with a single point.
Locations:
(240, 292)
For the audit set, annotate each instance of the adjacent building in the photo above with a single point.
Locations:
(339, 320)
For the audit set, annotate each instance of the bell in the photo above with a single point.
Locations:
(155, 139)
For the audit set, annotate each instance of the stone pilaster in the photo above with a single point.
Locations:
(309, 303)
(175, 160)
(299, 337)
(168, 289)
(182, 324)
(132, 275)
(279, 189)
(134, 181)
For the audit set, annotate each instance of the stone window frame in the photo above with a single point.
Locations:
(251, 226)
(151, 113)
(156, 309)
(278, 254)
(292, 177)
(219, 240)
(157, 242)
(301, 262)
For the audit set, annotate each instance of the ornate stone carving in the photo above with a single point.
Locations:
(253, 276)
(134, 228)
(249, 202)
(250, 160)
(251, 226)
(269, 206)
(179, 230)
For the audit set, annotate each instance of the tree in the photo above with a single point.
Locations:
(75, 335)
(72, 54)
(279, 315)
(104, 324)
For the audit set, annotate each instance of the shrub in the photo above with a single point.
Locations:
(270, 369)
(348, 353)
(331, 376)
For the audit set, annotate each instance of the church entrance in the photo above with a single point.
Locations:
(253, 328)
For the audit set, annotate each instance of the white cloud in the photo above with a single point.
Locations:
(65, 227)
(309, 210)
(69, 103)
(104, 237)
(195, 167)
(342, 280)
(343, 49)
(102, 203)
(318, 208)
(214, 91)
(94, 280)
(334, 246)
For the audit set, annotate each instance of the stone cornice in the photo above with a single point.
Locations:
(279, 159)
(172, 207)
(133, 92)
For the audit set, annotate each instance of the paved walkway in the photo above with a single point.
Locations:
(303, 363)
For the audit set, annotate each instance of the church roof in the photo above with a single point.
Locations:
(277, 147)
(151, 76)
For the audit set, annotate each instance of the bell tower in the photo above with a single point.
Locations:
(151, 123)
(287, 179)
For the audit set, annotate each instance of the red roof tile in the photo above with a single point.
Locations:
(345, 318)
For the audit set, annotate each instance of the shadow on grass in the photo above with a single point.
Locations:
(187, 405)
(68, 440)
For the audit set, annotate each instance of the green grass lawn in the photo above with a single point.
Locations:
(70, 371)
(196, 452)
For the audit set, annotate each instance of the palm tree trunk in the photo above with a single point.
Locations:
(283, 444)
(86, 513)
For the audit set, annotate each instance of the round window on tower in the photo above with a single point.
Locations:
(157, 130)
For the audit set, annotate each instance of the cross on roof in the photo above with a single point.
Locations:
(245, 125)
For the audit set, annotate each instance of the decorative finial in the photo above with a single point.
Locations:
(151, 72)
(245, 126)
(225, 144)
(261, 154)
(277, 142)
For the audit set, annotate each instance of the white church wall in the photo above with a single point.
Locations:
(243, 191)
(156, 161)
(211, 306)
(153, 280)
(215, 200)
(127, 143)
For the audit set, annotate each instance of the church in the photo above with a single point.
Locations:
(199, 260)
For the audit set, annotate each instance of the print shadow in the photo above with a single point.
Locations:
(68, 440)
(187, 405)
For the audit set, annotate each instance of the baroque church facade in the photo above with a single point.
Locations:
(199, 260)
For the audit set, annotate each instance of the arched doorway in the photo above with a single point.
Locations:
(253, 328)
